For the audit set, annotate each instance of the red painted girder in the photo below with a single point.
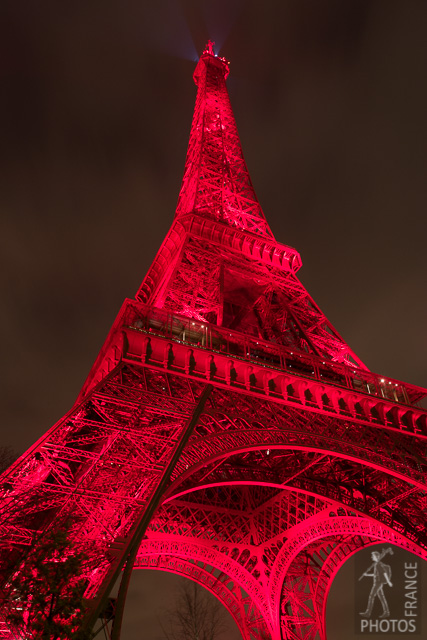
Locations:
(230, 467)
(104, 493)
(268, 252)
(281, 381)
(199, 551)
(188, 280)
(184, 330)
(218, 583)
(216, 181)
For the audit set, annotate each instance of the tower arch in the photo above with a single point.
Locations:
(209, 572)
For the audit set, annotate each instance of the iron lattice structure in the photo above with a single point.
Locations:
(299, 455)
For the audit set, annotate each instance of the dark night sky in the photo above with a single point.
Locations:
(330, 101)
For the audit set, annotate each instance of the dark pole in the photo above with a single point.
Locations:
(154, 503)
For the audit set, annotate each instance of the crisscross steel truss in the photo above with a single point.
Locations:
(300, 455)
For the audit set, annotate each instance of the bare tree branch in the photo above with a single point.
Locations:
(196, 615)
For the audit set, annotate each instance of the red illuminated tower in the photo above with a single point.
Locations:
(224, 394)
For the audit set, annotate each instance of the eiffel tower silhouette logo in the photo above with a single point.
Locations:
(226, 431)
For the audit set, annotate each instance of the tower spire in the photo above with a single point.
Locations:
(220, 235)
(216, 181)
(209, 48)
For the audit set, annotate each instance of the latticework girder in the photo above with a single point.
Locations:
(216, 180)
(152, 555)
(223, 390)
(252, 471)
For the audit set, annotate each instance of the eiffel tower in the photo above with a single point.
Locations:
(226, 432)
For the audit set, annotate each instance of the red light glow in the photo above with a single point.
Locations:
(299, 456)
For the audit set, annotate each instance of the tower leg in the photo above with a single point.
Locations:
(155, 501)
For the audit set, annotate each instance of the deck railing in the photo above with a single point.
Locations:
(222, 340)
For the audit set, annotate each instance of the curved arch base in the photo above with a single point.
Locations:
(240, 606)
(310, 561)
(293, 606)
